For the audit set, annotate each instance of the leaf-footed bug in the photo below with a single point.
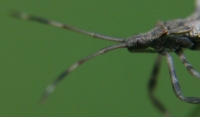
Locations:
(165, 37)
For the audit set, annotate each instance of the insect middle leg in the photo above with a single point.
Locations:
(175, 82)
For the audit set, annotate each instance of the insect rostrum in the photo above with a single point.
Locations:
(165, 37)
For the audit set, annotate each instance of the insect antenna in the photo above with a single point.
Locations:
(50, 88)
(26, 16)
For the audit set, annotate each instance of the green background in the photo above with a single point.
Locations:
(111, 85)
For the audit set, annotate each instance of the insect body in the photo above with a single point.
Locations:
(165, 37)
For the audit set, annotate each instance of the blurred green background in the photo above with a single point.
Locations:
(111, 85)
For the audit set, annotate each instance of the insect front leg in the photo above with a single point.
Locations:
(152, 85)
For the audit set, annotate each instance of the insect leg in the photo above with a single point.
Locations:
(50, 88)
(152, 85)
(25, 16)
(175, 83)
(189, 67)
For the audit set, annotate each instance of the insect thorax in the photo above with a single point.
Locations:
(170, 35)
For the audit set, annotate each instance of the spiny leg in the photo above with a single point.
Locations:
(25, 16)
(175, 83)
(52, 86)
(189, 67)
(152, 85)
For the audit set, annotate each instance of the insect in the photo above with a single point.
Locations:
(165, 37)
